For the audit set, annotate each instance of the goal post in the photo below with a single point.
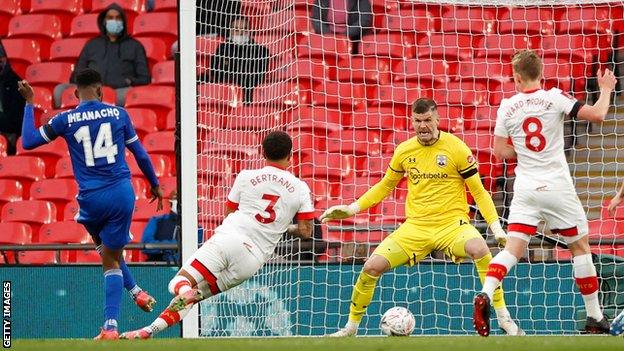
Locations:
(345, 101)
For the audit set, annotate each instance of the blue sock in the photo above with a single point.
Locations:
(128, 279)
(113, 284)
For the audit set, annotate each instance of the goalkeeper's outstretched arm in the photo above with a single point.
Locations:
(486, 206)
(372, 197)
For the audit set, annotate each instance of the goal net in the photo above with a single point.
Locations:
(343, 93)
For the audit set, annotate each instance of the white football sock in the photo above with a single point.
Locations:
(586, 278)
(505, 259)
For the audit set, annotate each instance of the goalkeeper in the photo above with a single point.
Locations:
(437, 164)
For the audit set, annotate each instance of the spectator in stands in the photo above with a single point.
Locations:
(163, 229)
(215, 16)
(353, 18)
(11, 102)
(118, 57)
(239, 60)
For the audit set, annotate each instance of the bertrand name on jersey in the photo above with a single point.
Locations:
(272, 178)
(92, 115)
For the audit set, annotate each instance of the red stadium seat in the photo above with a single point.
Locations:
(278, 45)
(64, 168)
(81, 256)
(254, 117)
(308, 71)
(400, 94)
(42, 28)
(404, 20)
(37, 257)
(43, 101)
(354, 142)
(50, 153)
(15, 233)
(59, 191)
(528, 21)
(71, 210)
(137, 229)
(67, 50)
(466, 92)
(168, 184)
(46, 116)
(162, 25)
(393, 45)
(64, 9)
(587, 19)
(456, 118)
(33, 212)
(424, 71)
(85, 26)
(67, 232)
(22, 53)
(471, 19)
(319, 188)
(369, 70)
(285, 94)
(376, 166)
(166, 6)
(503, 47)
(449, 46)
(144, 121)
(580, 50)
(161, 143)
(206, 47)
(9, 9)
(352, 188)
(391, 212)
(163, 73)
(160, 99)
(10, 190)
(384, 118)
(606, 229)
(328, 48)
(559, 74)
(49, 74)
(222, 95)
(170, 123)
(604, 213)
(155, 49)
(25, 169)
(327, 166)
(211, 169)
(162, 166)
(230, 142)
(4, 145)
(139, 185)
(144, 210)
(345, 96)
(483, 70)
(69, 99)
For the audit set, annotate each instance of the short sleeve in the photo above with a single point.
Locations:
(306, 209)
(130, 135)
(500, 129)
(233, 198)
(565, 102)
(465, 161)
(54, 128)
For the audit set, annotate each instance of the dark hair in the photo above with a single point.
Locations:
(277, 145)
(88, 77)
(424, 105)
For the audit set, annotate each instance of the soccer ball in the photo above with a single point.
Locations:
(397, 321)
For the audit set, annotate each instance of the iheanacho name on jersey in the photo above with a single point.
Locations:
(92, 115)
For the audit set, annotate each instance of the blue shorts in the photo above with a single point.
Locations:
(107, 214)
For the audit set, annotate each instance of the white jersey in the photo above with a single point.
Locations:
(534, 121)
(266, 201)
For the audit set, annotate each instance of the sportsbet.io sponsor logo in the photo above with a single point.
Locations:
(250, 309)
(415, 176)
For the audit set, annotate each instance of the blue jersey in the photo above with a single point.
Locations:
(96, 136)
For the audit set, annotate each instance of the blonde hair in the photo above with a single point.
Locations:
(527, 64)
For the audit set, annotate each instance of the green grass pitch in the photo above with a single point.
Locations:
(433, 343)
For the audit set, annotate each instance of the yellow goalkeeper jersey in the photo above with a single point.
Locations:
(435, 174)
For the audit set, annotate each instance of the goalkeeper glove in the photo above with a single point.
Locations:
(340, 212)
(499, 233)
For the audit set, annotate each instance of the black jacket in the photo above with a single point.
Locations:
(359, 19)
(215, 16)
(116, 61)
(240, 64)
(12, 101)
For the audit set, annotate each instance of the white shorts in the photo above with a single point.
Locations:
(223, 262)
(561, 211)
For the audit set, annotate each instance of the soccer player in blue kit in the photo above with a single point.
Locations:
(97, 135)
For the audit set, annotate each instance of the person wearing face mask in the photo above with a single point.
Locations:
(11, 102)
(118, 57)
(163, 229)
(239, 60)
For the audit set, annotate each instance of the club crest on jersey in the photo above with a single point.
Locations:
(441, 160)
(470, 159)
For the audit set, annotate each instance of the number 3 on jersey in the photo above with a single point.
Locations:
(535, 124)
(104, 146)
(269, 209)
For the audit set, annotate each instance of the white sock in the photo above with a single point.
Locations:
(502, 312)
(157, 325)
(500, 265)
(135, 291)
(587, 281)
(352, 325)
